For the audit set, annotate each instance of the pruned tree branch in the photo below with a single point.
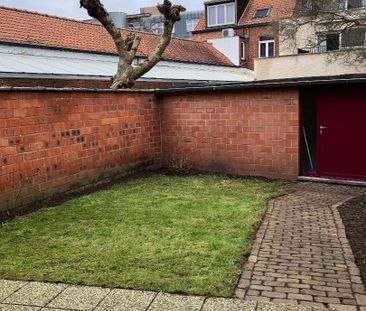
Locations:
(127, 48)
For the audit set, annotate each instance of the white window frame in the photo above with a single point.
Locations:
(266, 42)
(243, 51)
(216, 14)
(268, 12)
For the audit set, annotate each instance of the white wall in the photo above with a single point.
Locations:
(230, 47)
(309, 65)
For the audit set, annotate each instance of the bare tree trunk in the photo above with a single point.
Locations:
(127, 48)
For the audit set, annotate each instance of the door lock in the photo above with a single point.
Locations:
(322, 128)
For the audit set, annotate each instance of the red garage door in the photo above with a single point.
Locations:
(341, 137)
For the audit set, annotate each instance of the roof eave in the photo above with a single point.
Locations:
(308, 81)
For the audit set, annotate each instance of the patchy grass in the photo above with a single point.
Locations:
(162, 233)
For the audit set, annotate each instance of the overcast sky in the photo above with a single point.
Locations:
(70, 8)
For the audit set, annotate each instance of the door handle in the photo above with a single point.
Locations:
(322, 128)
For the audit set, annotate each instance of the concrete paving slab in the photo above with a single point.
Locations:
(35, 294)
(168, 302)
(270, 306)
(126, 300)
(79, 298)
(222, 304)
(9, 287)
(4, 307)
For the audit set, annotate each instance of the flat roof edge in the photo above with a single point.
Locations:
(345, 79)
(72, 89)
(356, 78)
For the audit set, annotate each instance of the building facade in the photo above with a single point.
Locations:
(249, 27)
(150, 20)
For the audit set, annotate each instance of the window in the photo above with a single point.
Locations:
(353, 4)
(221, 14)
(243, 51)
(135, 26)
(157, 27)
(336, 41)
(353, 38)
(261, 13)
(328, 42)
(266, 47)
(191, 24)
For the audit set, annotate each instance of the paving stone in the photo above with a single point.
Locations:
(332, 307)
(221, 304)
(168, 302)
(35, 294)
(126, 300)
(4, 307)
(9, 287)
(79, 298)
(240, 293)
(361, 299)
(302, 252)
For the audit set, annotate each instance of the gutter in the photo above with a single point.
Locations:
(72, 89)
(215, 29)
(313, 81)
(345, 79)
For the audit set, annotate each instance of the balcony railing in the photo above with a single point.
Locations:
(311, 64)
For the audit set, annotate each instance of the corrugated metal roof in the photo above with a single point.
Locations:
(41, 61)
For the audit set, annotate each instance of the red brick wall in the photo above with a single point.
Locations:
(247, 132)
(52, 142)
(253, 42)
(204, 36)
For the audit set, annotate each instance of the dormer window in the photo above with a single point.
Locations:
(261, 13)
(221, 14)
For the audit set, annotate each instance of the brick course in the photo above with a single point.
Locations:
(248, 132)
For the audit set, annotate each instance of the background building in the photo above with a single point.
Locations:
(150, 20)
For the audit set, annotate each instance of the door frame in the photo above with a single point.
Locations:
(318, 161)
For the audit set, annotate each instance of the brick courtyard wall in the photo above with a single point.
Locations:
(54, 142)
(247, 132)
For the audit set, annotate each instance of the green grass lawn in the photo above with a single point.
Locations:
(183, 234)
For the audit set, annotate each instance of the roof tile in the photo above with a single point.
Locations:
(18, 26)
(279, 9)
